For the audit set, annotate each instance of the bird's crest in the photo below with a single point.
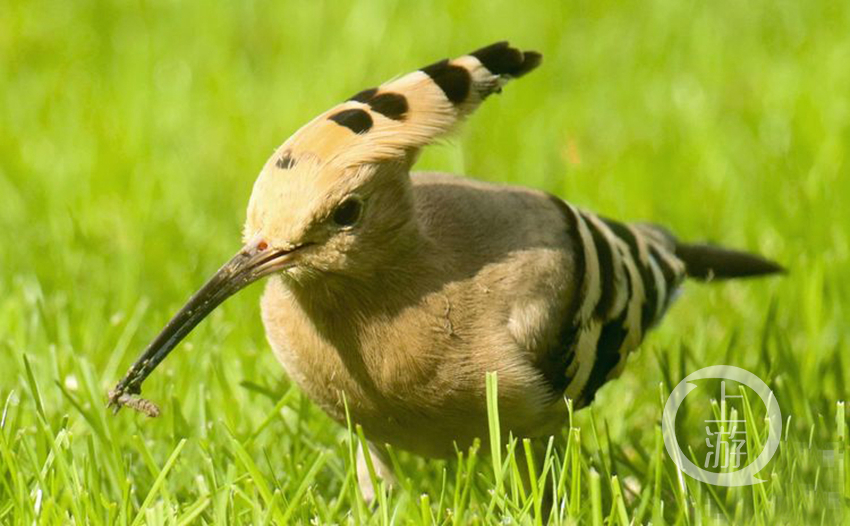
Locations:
(393, 121)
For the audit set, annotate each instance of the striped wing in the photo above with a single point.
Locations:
(628, 276)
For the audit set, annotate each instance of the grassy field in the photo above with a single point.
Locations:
(130, 136)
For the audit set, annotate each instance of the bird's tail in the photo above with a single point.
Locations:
(709, 262)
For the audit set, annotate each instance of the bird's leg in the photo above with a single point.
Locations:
(383, 470)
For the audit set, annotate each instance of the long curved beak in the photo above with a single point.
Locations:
(251, 263)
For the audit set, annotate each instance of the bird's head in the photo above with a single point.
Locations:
(315, 216)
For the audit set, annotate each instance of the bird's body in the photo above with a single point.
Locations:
(484, 284)
(395, 293)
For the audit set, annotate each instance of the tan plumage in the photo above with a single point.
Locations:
(401, 290)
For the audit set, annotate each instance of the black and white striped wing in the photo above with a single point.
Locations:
(628, 275)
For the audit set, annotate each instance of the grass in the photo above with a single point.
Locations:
(130, 134)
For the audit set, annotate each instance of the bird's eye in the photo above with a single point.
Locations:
(348, 212)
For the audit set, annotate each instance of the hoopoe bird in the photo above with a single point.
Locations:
(395, 292)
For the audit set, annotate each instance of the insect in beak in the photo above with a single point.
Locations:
(254, 261)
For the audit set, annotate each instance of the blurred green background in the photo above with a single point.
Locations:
(130, 136)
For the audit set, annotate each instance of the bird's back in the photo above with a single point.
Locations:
(576, 292)
(484, 223)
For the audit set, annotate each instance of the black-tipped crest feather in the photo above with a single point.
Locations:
(501, 59)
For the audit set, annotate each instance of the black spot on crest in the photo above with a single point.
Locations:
(391, 105)
(365, 95)
(501, 59)
(357, 120)
(455, 81)
(285, 162)
(531, 59)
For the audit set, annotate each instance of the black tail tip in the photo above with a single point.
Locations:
(709, 262)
